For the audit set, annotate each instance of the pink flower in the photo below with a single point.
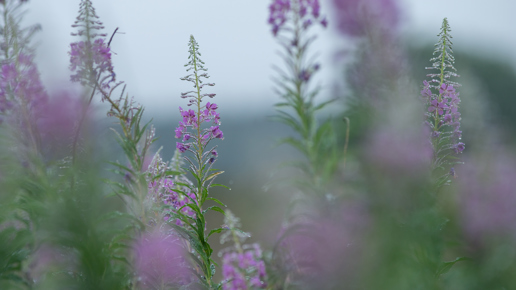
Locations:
(160, 260)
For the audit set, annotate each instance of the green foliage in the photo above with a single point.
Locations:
(299, 111)
(16, 39)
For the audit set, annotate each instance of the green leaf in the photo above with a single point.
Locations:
(289, 120)
(298, 144)
(182, 217)
(214, 208)
(217, 201)
(122, 259)
(324, 104)
(446, 266)
(172, 172)
(218, 230)
(213, 175)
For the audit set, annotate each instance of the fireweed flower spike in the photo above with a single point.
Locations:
(242, 265)
(442, 100)
(168, 190)
(291, 21)
(357, 18)
(308, 12)
(22, 95)
(194, 138)
(90, 58)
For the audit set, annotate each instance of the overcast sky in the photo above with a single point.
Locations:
(236, 43)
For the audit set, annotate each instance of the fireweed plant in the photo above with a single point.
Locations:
(191, 223)
(442, 100)
(313, 212)
(291, 22)
(21, 97)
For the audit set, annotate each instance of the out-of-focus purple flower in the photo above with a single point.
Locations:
(308, 12)
(304, 76)
(20, 85)
(324, 22)
(58, 122)
(244, 270)
(90, 58)
(48, 259)
(90, 61)
(487, 198)
(399, 152)
(459, 147)
(452, 173)
(278, 11)
(22, 97)
(380, 63)
(160, 261)
(326, 251)
(357, 17)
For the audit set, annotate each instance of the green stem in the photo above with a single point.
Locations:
(200, 167)
(237, 242)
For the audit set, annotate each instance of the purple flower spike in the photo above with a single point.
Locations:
(90, 58)
(356, 17)
(278, 10)
(442, 101)
(308, 12)
(236, 266)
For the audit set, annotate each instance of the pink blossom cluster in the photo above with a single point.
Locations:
(90, 61)
(20, 87)
(444, 107)
(239, 265)
(358, 17)
(307, 11)
(191, 119)
(160, 261)
(167, 192)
